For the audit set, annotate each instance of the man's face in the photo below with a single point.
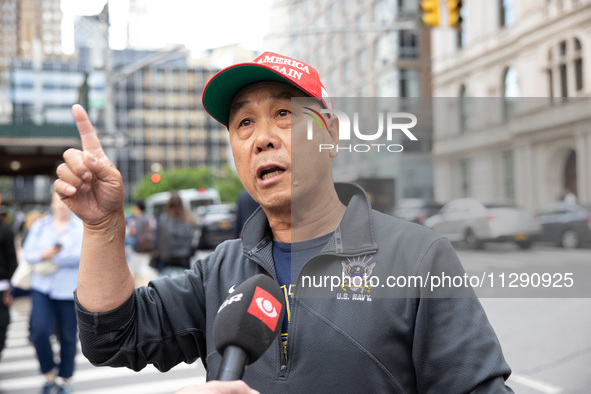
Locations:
(260, 126)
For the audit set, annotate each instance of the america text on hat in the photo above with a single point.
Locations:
(289, 62)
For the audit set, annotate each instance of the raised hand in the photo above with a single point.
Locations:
(89, 184)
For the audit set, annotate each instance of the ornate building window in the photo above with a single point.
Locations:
(565, 69)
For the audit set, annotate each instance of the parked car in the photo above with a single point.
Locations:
(475, 222)
(568, 225)
(216, 223)
(416, 210)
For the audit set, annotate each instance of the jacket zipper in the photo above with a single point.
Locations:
(285, 357)
(282, 355)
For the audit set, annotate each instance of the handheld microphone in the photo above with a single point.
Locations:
(247, 323)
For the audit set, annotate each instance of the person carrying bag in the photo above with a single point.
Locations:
(175, 235)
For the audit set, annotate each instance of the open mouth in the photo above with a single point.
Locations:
(270, 172)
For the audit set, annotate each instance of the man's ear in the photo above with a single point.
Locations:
(333, 135)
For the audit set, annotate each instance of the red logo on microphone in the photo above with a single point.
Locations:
(265, 308)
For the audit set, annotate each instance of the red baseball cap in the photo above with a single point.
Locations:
(221, 88)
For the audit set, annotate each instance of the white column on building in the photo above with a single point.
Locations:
(443, 180)
(548, 181)
(583, 152)
(524, 181)
(485, 186)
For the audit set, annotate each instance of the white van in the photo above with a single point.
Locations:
(192, 199)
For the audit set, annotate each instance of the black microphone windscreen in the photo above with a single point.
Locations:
(251, 317)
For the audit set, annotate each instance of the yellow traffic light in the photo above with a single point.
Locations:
(430, 12)
(455, 18)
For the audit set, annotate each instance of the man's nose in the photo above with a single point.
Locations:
(267, 137)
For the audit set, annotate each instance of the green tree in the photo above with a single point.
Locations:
(224, 180)
(228, 184)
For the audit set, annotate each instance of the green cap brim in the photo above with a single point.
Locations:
(222, 87)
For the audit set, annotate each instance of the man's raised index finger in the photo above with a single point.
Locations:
(90, 141)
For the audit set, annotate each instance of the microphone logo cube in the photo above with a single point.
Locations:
(265, 307)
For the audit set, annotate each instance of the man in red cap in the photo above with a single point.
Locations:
(343, 339)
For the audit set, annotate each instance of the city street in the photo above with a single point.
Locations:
(19, 369)
(545, 340)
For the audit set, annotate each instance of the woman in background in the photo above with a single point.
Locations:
(53, 247)
(175, 232)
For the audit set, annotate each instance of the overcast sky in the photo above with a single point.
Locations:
(198, 24)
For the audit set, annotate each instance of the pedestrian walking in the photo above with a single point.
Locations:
(53, 249)
(141, 237)
(8, 264)
(175, 232)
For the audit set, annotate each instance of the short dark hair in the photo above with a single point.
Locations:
(141, 205)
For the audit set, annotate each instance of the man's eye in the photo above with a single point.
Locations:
(283, 112)
(245, 123)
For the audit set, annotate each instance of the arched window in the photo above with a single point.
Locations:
(462, 37)
(570, 172)
(506, 13)
(510, 91)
